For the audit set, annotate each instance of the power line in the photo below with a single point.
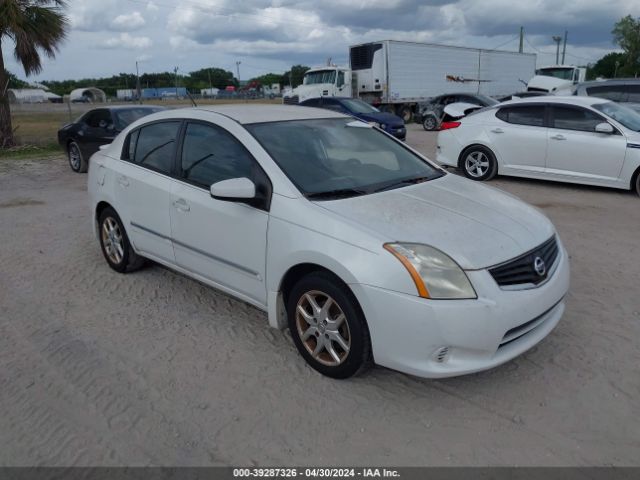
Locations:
(504, 43)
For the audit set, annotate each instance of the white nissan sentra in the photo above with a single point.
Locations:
(362, 247)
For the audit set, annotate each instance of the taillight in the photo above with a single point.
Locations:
(448, 125)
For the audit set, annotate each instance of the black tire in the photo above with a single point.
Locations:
(77, 162)
(124, 259)
(430, 122)
(353, 329)
(637, 185)
(478, 163)
(405, 113)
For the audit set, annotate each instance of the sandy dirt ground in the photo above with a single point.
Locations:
(153, 368)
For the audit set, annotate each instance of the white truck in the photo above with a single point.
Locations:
(395, 76)
(557, 79)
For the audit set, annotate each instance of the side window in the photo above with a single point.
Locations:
(154, 145)
(532, 115)
(610, 92)
(332, 104)
(575, 119)
(340, 78)
(633, 93)
(210, 155)
(98, 119)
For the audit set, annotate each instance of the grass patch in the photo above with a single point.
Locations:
(30, 151)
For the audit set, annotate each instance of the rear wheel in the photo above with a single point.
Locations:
(430, 122)
(115, 245)
(478, 163)
(328, 327)
(638, 182)
(76, 160)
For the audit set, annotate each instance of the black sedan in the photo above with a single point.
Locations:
(388, 122)
(99, 126)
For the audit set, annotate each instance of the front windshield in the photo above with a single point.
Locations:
(127, 116)
(561, 73)
(358, 106)
(339, 157)
(624, 115)
(322, 76)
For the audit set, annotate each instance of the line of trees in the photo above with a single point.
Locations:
(194, 81)
(626, 33)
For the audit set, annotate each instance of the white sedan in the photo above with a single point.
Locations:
(569, 139)
(363, 248)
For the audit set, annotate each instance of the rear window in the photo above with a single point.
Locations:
(616, 93)
(532, 115)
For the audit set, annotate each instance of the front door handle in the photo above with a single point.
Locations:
(497, 130)
(559, 137)
(123, 181)
(182, 205)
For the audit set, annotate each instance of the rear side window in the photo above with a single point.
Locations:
(532, 115)
(569, 118)
(633, 93)
(616, 93)
(154, 146)
(98, 118)
(210, 155)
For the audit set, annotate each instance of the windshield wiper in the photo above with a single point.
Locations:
(338, 193)
(402, 183)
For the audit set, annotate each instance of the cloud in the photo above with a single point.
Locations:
(128, 22)
(127, 41)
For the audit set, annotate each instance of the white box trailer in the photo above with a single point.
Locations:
(397, 75)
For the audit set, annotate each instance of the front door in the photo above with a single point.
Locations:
(224, 242)
(576, 150)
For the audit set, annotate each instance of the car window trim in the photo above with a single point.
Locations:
(124, 155)
(545, 117)
(178, 162)
(577, 107)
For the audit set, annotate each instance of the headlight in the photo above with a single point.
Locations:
(435, 274)
(383, 126)
(375, 124)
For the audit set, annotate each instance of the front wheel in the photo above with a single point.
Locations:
(77, 161)
(478, 163)
(328, 327)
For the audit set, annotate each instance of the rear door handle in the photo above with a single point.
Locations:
(182, 205)
(497, 130)
(559, 137)
(123, 181)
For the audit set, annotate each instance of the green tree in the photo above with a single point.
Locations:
(35, 27)
(626, 33)
(15, 82)
(268, 79)
(294, 76)
(606, 67)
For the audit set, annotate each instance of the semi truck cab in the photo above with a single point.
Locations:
(330, 81)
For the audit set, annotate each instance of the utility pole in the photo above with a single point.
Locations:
(175, 71)
(564, 47)
(521, 48)
(138, 89)
(210, 84)
(238, 71)
(557, 39)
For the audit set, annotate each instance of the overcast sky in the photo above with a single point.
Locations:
(108, 36)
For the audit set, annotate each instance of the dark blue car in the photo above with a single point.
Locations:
(388, 122)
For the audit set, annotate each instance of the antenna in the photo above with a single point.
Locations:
(191, 98)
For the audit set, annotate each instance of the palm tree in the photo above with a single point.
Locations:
(35, 27)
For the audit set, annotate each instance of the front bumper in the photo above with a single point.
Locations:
(410, 334)
(400, 133)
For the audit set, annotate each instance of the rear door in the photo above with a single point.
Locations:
(144, 181)
(577, 150)
(518, 137)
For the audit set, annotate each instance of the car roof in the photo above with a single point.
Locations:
(132, 107)
(247, 114)
(573, 100)
(611, 81)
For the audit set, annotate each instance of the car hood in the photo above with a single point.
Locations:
(549, 84)
(381, 117)
(478, 226)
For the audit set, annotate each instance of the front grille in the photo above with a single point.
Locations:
(294, 100)
(522, 270)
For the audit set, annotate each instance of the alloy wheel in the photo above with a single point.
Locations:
(112, 240)
(322, 327)
(476, 164)
(74, 157)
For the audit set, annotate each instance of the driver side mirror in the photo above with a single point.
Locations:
(604, 127)
(234, 190)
